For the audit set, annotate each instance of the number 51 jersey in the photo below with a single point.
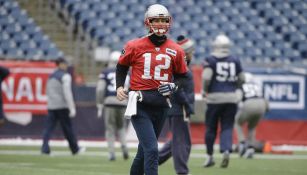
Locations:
(225, 73)
(152, 64)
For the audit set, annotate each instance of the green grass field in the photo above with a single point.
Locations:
(26, 160)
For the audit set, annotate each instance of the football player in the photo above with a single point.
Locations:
(179, 116)
(112, 109)
(61, 108)
(4, 72)
(251, 110)
(154, 60)
(222, 75)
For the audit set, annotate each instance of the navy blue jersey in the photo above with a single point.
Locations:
(251, 90)
(225, 73)
(108, 75)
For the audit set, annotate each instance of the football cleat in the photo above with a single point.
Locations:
(209, 162)
(225, 160)
(249, 154)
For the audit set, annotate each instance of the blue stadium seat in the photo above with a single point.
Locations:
(101, 32)
(14, 53)
(51, 53)
(33, 54)
(5, 45)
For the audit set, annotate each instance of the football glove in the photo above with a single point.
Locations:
(167, 89)
(72, 112)
(99, 110)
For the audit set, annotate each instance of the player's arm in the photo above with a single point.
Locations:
(207, 76)
(180, 78)
(180, 75)
(169, 88)
(68, 94)
(121, 74)
(241, 74)
(241, 79)
(100, 91)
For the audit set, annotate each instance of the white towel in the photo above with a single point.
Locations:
(131, 106)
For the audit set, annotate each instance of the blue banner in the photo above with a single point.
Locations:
(285, 91)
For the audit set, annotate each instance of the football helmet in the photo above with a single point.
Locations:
(114, 56)
(221, 46)
(160, 12)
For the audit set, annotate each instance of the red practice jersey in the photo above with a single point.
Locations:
(150, 64)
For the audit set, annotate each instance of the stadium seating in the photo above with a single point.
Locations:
(263, 30)
(21, 38)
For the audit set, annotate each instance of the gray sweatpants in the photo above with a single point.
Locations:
(115, 125)
(250, 113)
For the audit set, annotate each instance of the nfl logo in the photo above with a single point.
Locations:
(157, 49)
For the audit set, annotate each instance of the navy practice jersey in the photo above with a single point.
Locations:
(225, 73)
(108, 75)
(251, 90)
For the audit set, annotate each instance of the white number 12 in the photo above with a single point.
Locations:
(157, 73)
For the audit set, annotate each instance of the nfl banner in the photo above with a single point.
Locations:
(24, 89)
(286, 93)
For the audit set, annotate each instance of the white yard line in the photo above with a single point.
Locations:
(131, 144)
(59, 153)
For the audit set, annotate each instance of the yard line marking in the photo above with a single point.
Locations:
(106, 154)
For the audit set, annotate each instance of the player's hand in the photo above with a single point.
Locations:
(121, 94)
(99, 110)
(72, 112)
(167, 88)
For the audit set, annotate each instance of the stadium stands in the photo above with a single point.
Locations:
(21, 38)
(262, 30)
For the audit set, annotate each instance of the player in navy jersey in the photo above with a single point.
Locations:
(222, 75)
(111, 108)
(154, 60)
(179, 147)
(251, 110)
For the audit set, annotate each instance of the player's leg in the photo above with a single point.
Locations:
(50, 123)
(66, 124)
(181, 146)
(240, 119)
(257, 108)
(121, 131)
(166, 152)
(211, 123)
(227, 123)
(148, 124)
(147, 157)
(257, 111)
(137, 167)
(110, 126)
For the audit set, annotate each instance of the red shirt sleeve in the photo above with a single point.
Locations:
(126, 56)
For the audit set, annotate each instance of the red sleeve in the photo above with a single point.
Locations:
(126, 56)
(180, 65)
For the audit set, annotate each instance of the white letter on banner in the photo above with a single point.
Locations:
(8, 88)
(39, 90)
(270, 92)
(24, 89)
(290, 94)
